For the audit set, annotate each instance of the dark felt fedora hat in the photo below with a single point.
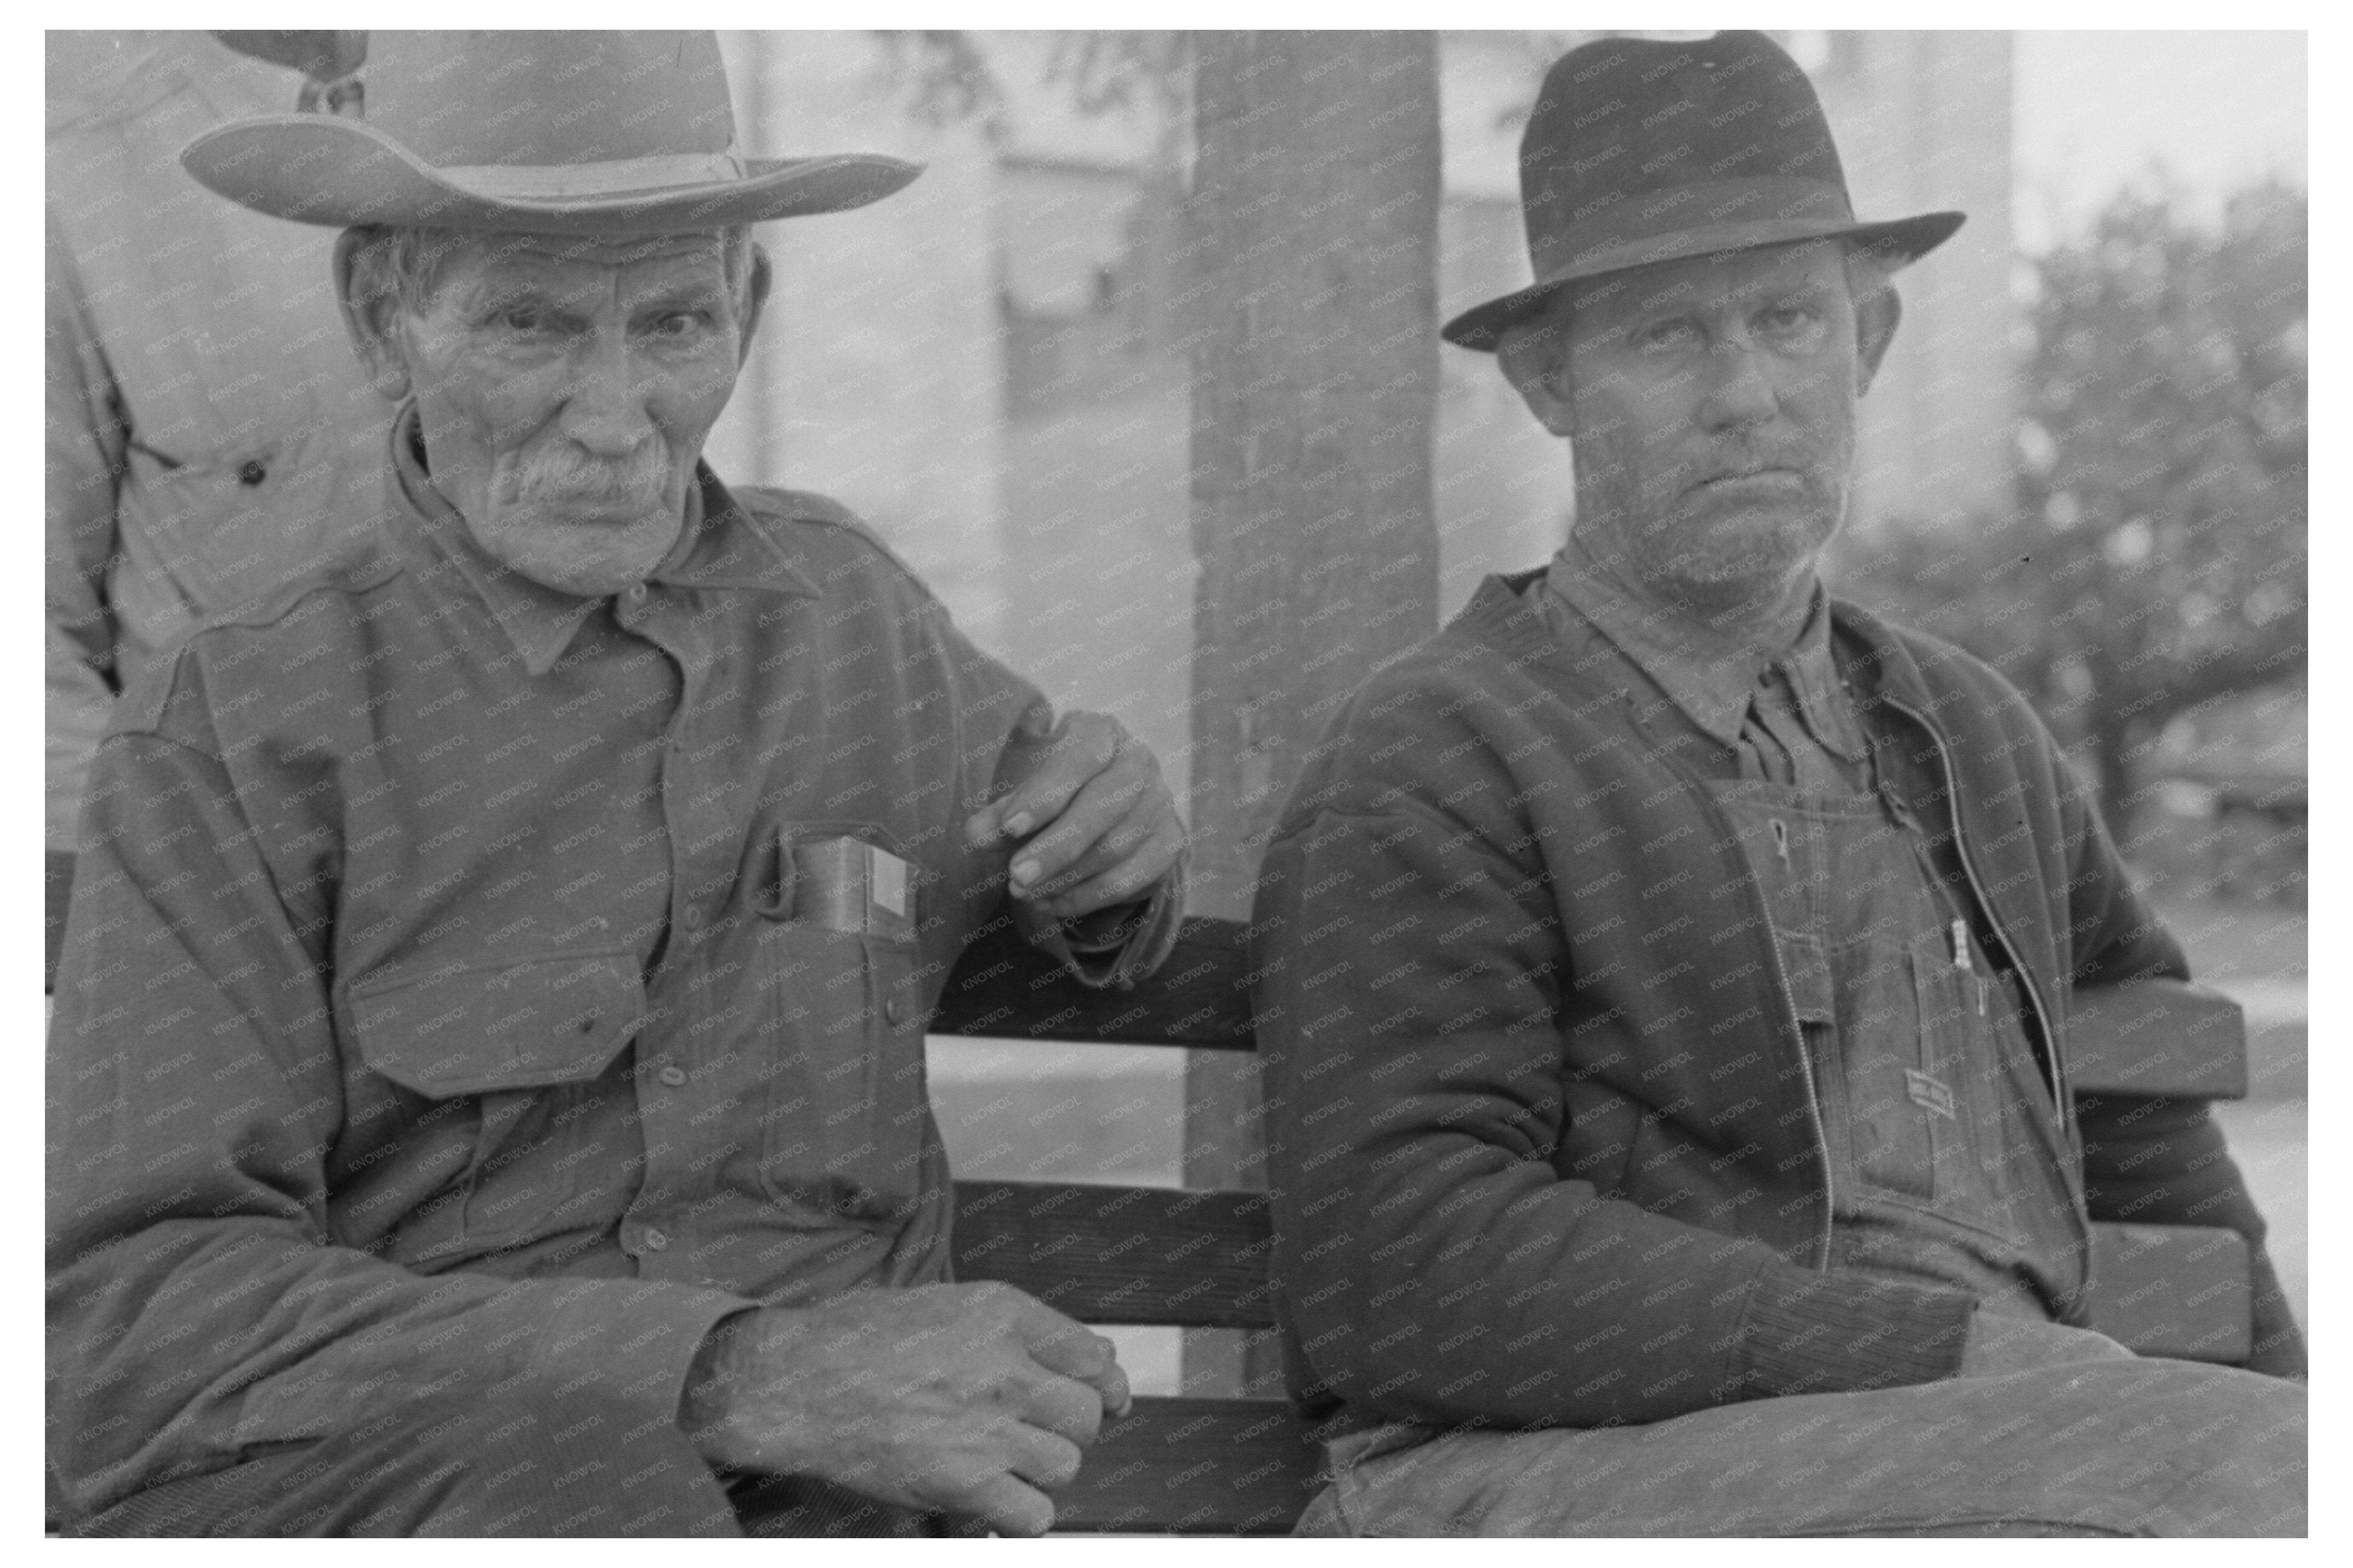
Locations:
(1640, 151)
(584, 133)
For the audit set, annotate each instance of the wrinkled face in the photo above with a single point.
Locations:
(1712, 405)
(565, 388)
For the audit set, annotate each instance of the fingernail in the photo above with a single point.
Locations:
(1017, 825)
(1024, 872)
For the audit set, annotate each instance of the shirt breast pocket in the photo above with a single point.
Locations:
(840, 1041)
(225, 526)
(529, 1043)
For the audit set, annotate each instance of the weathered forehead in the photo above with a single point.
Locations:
(1721, 278)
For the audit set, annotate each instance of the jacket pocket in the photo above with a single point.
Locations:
(523, 1045)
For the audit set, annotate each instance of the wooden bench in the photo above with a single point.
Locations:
(1121, 1255)
(1198, 1259)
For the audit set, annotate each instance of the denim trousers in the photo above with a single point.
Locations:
(2083, 1438)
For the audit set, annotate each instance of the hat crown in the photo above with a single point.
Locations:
(547, 99)
(1622, 125)
(1640, 153)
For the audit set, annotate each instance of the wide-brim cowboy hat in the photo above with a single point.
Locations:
(619, 134)
(1640, 151)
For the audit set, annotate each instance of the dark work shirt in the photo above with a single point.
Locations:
(450, 989)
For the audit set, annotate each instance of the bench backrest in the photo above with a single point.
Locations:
(1198, 1259)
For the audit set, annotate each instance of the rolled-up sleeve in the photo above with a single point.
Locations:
(199, 1299)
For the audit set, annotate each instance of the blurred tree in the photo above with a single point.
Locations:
(2155, 559)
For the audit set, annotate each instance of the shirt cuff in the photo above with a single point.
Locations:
(635, 1339)
(1838, 1332)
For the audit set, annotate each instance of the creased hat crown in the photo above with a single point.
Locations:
(564, 133)
(544, 98)
(1640, 151)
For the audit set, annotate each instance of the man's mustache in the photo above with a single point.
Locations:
(565, 475)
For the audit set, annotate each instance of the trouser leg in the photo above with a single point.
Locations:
(523, 1461)
(2127, 1446)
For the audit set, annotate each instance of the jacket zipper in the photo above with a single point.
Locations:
(1806, 1067)
(2055, 1075)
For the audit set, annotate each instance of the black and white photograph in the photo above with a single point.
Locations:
(1335, 782)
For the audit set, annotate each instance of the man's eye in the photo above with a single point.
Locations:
(1664, 334)
(1790, 319)
(521, 318)
(681, 323)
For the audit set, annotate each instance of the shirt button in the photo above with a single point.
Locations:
(895, 1010)
(692, 919)
(656, 1241)
(672, 1074)
(637, 593)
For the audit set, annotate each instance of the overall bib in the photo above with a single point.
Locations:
(1945, 1151)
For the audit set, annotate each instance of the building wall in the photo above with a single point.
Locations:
(878, 377)
(1923, 122)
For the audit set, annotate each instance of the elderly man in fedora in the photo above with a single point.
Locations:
(1665, 972)
(486, 1089)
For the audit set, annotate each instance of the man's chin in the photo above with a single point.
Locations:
(587, 553)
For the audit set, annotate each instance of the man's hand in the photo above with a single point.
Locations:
(974, 1398)
(1100, 825)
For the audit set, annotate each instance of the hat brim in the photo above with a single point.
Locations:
(337, 173)
(1905, 239)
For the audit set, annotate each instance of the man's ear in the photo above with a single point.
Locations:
(755, 295)
(371, 322)
(1875, 319)
(1534, 357)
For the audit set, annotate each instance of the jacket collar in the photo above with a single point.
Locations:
(719, 547)
(1712, 689)
(1506, 614)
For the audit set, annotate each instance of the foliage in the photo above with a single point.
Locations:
(952, 79)
(2155, 559)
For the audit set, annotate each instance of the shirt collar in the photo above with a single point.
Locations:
(720, 547)
(1713, 690)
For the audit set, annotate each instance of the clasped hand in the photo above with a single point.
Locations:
(971, 1398)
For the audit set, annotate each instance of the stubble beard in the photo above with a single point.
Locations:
(1717, 564)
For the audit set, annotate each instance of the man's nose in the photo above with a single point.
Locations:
(1739, 386)
(604, 408)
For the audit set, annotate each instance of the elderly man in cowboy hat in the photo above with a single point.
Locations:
(486, 1081)
(1689, 1148)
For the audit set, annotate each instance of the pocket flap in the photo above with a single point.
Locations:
(473, 1030)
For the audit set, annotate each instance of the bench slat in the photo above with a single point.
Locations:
(1122, 1254)
(1195, 1467)
(2177, 1291)
(1003, 988)
(2162, 1040)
